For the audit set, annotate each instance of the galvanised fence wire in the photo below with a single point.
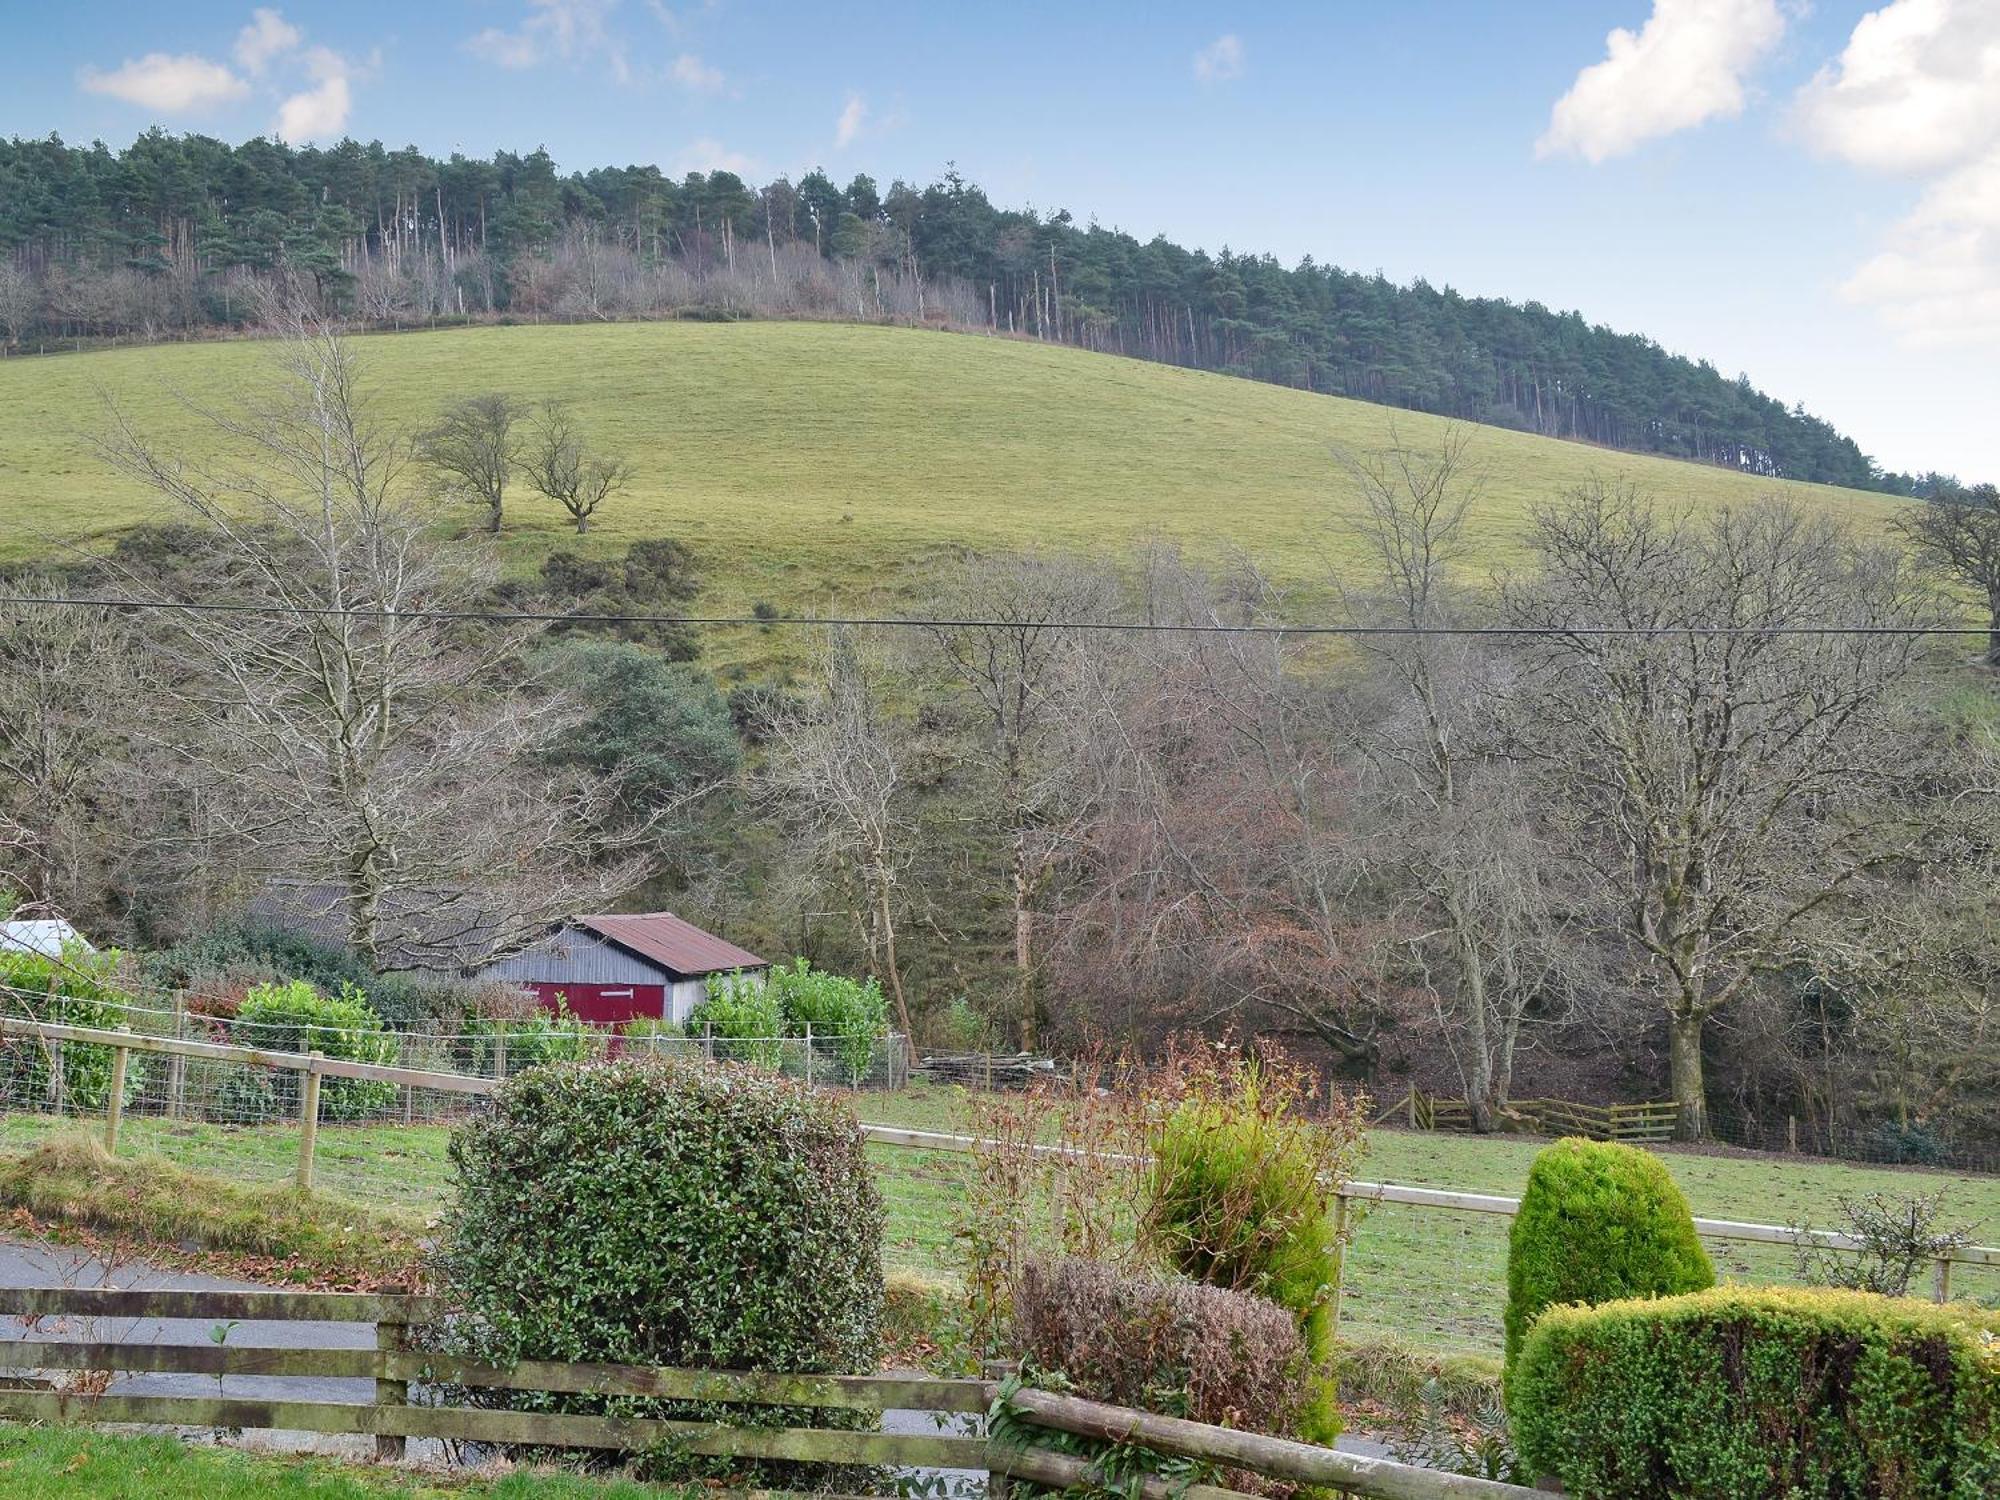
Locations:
(44, 1076)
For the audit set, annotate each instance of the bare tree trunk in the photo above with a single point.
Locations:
(887, 921)
(1024, 931)
(1684, 1067)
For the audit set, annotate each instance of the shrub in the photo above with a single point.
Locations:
(743, 1012)
(533, 1041)
(78, 988)
(1598, 1222)
(1762, 1392)
(664, 1211)
(295, 1017)
(1165, 1344)
(854, 1015)
(1242, 1194)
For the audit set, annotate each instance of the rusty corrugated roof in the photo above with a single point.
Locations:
(680, 946)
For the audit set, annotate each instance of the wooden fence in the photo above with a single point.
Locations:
(410, 1386)
(312, 1066)
(1637, 1124)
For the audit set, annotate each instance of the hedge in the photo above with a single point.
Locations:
(1742, 1393)
(1598, 1222)
(292, 1016)
(665, 1211)
(1165, 1344)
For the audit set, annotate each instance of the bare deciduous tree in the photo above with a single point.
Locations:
(1958, 531)
(1448, 820)
(835, 777)
(1722, 777)
(367, 747)
(561, 466)
(1221, 883)
(63, 671)
(1012, 649)
(473, 448)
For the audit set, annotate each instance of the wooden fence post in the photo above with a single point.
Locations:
(308, 1120)
(114, 1104)
(58, 1086)
(176, 1064)
(500, 1056)
(1413, 1106)
(1340, 1212)
(1941, 1279)
(1792, 1134)
(391, 1338)
(809, 1054)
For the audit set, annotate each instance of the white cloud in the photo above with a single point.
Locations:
(320, 112)
(696, 76)
(1917, 88)
(1937, 280)
(168, 83)
(1917, 91)
(556, 31)
(709, 155)
(1685, 66)
(269, 35)
(853, 120)
(1221, 60)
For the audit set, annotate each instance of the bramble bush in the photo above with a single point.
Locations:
(292, 1016)
(665, 1211)
(1598, 1222)
(1754, 1392)
(79, 988)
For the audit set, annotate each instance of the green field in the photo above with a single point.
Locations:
(813, 463)
(1427, 1277)
(70, 1464)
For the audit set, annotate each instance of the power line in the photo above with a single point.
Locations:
(908, 622)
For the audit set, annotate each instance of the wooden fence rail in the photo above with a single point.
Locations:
(1636, 1124)
(933, 1140)
(1273, 1458)
(393, 1416)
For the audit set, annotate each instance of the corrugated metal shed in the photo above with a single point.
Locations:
(678, 946)
(576, 955)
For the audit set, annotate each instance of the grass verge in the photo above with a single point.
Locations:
(50, 1463)
(149, 1206)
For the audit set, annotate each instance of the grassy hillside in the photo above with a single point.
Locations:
(811, 462)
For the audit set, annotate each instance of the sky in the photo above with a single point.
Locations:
(1808, 193)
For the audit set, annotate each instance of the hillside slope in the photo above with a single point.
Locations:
(808, 463)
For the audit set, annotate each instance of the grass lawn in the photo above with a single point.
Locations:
(1428, 1277)
(809, 464)
(39, 1463)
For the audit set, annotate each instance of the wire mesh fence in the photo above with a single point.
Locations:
(57, 1077)
(1436, 1278)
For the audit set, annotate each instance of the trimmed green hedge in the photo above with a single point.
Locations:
(665, 1211)
(1743, 1393)
(1598, 1222)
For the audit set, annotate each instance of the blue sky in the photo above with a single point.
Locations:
(1809, 193)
